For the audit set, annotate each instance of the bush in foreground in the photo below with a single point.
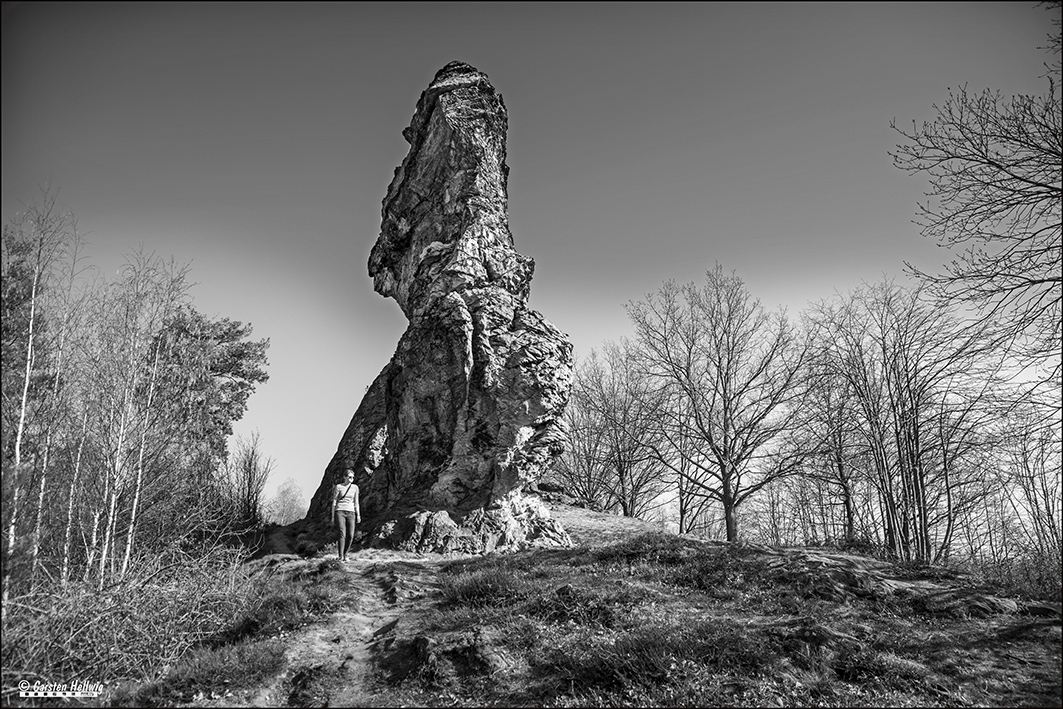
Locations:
(132, 628)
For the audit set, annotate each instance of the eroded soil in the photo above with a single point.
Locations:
(329, 663)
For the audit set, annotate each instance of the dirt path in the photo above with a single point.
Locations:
(329, 662)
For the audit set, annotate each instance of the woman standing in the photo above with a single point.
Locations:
(345, 512)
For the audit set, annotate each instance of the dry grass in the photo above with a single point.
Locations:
(659, 620)
(247, 652)
(209, 673)
(131, 629)
(173, 628)
(653, 620)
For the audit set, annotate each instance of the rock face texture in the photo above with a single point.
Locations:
(468, 411)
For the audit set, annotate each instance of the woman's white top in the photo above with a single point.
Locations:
(345, 498)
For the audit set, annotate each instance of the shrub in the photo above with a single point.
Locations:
(131, 629)
(206, 671)
(653, 547)
(584, 606)
(660, 653)
(492, 586)
(885, 668)
(282, 601)
(1028, 574)
(276, 610)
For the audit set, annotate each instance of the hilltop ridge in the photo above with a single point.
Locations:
(634, 616)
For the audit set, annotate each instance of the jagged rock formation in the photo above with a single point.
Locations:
(468, 411)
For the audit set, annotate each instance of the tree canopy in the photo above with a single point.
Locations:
(995, 166)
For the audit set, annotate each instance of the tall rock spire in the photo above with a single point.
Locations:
(468, 411)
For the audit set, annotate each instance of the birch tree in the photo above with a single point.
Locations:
(32, 246)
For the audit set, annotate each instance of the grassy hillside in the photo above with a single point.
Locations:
(628, 617)
(663, 621)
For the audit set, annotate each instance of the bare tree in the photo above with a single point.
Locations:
(611, 460)
(581, 469)
(995, 193)
(923, 388)
(627, 404)
(732, 376)
(32, 246)
(248, 472)
(828, 433)
(118, 399)
(1030, 471)
(65, 302)
(288, 504)
(126, 353)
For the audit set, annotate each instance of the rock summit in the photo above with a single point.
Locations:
(467, 414)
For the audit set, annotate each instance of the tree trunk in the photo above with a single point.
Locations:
(28, 370)
(35, 547)
(140, 462)
(730, 522)
(20, 431)
(108, 536)
(67, 534)
(950, 516)
(94, 539)
(114, 478)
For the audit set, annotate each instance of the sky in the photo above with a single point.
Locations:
(647, 142)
